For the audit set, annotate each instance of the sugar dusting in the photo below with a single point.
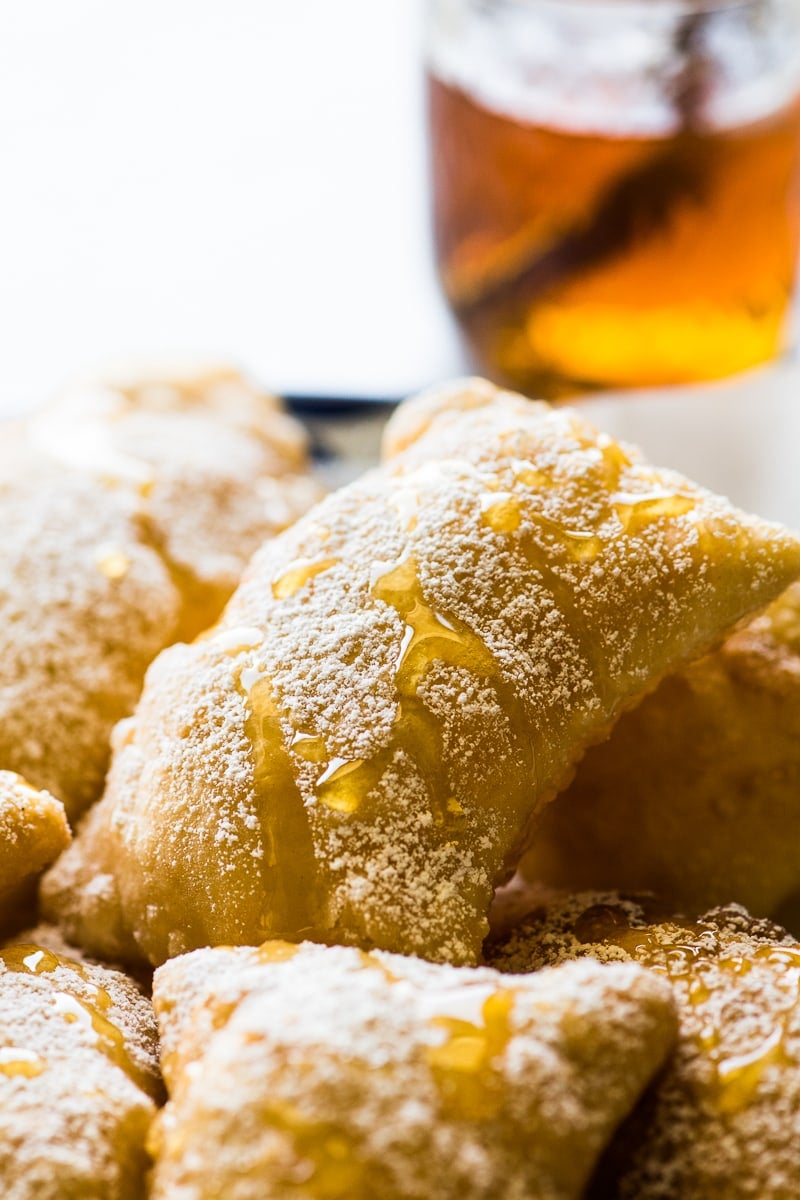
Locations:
(127, 514)
(725, 1116)
(78, 1074)
(349, 1074)
(423, 759)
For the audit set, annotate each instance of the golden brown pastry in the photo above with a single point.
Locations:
(127, 512)
(696, 795)
(218, 464)
(33, 832)
(309, 1072)
(723, 1120)
(78, 1076)
(356, 752)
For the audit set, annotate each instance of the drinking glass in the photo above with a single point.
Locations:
(616, 185)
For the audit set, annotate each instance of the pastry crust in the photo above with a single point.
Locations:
(307, 1072)
(127, 512)
(723, 1119)
(217, 463)
(695, 794)
(357, 751)
(78, 1076)
(33, 832)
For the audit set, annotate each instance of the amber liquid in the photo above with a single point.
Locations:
(578, 261)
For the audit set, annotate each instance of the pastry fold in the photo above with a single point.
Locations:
(312, 1071)
(128, 509)
(358, 751)
(696, 795)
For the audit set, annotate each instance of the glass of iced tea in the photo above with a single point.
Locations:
(616, 185)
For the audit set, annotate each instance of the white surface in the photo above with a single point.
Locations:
(245, 178)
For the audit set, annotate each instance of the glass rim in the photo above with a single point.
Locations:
(678, 7)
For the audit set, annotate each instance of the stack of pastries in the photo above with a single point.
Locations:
(436, 817)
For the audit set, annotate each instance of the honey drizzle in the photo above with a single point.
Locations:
(15, 1060)
(327, 1164)
(632, 509)
(288, 867)
(738, 1076)
(417, 733)
(532, 533)
(635, 509)
(276, 951)
(505, 515)
(297, 575)
(465, 1066)
(581, 546)
(677, 952)
(29, 959)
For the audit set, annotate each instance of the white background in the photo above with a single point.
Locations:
(248, 178)
(240, 177)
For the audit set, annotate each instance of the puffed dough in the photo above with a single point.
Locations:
(723, 1118)
(218, 464)
(128, 510)
(696, 795)
(359, 750)
(78, 1076)
(306, 1072)
(33, 832)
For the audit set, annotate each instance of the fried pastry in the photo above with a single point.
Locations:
(218, 464)
(311, 1072)
(126, 516)
(724, 1117)
(357, 751)
(78, 1077)
(696, 795)
(33, 832)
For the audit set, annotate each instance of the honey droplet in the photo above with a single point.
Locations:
(334, 786)
(614, 460)
(27, 958)
(298, 575)
(466, 1066)
(15, 1060)
(636, 509)
(738, 1076)
(529, 475)
(601, 923)
(114, 564)
(779, 956)
(503, 514)
(310, 748)
(464, 1050)
(276, 951)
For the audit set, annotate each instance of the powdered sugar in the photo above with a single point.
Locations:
(726, 1115)
(426, 756)
(428, 1080)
